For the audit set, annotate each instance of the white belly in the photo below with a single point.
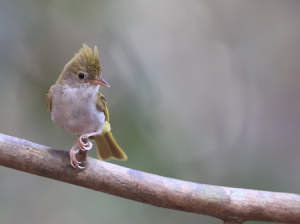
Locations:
(76, 112)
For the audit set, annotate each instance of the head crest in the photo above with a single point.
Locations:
(88, 60)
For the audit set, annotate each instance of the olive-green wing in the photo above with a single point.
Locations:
(107, 146)
(49, 98)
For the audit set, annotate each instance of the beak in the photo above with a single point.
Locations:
(100, 81)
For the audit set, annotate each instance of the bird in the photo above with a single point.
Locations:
(77, 106)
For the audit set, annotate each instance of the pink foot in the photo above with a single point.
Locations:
(73, 161)
(84, 146)
(84, 143)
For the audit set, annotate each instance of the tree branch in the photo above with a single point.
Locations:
(232, 205)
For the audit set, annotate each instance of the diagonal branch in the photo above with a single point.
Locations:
(232, 205)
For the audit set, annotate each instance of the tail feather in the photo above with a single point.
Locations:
(107, 146)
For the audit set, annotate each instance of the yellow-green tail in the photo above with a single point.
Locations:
(107, 146)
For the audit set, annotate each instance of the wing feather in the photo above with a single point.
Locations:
(107, 146)
(49, 98)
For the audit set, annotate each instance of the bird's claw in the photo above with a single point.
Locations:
(84, 143)
(74, 162)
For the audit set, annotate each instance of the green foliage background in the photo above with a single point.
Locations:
(205, 91)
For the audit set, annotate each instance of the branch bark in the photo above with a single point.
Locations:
(232, 205)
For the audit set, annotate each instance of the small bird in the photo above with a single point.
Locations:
(77, 106)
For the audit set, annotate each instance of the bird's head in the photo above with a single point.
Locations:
(84, 67)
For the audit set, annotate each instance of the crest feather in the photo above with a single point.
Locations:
(88, 60)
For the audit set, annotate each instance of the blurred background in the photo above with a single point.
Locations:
(206, 91)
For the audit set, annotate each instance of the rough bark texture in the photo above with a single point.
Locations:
(232, 205)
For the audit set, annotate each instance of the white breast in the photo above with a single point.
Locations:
(75, 109)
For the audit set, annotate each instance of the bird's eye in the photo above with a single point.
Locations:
(81, 76)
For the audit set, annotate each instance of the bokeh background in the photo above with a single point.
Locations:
(206, 91)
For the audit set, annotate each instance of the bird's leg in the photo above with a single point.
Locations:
(73, 160)
(84, 142)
